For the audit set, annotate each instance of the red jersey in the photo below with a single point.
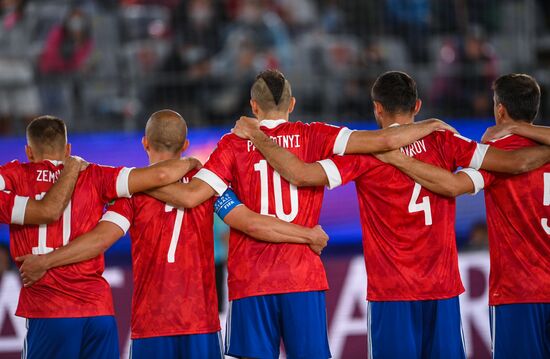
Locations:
(518, 215)
(260, 268)
(173, 266)
(12, 207)
(408, 232)
(76, 290)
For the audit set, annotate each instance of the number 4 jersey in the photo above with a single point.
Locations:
(259, 268)
(408, 232)
(518, 221)
(173, 266)
(77, 290)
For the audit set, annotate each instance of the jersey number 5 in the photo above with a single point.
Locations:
(175, 233)
(42, 247)
(546, 201)
(423, 206)
(264, 188)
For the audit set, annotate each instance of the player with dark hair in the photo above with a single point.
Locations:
(75, 299)
(274, 286)
(174, 306)
(517, 220)
(408, 232)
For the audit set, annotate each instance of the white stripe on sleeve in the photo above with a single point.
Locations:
(479, 155)
(341, 141)
(18, 211)
(2, 183)
(212, 180)
(476, 177)
(117, 219)
(122, 185)
(333, 175)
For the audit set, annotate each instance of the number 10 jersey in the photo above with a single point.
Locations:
(260, 268)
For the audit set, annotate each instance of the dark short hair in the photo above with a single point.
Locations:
(47, 134)
(519, 94)
(395, 91)
(271, 90)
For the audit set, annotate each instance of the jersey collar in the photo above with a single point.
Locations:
(271, 123)
(395, 124)
(54, 162)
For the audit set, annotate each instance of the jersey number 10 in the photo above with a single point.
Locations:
(546, 201)
(264, 188)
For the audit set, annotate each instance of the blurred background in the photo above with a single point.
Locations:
(103, 66)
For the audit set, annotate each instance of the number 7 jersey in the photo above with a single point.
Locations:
(260, 268)
(77, 290)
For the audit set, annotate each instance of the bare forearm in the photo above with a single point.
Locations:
(83, 248)
(51, 207)
(516, 162)
(183, 195)
(160, 174)
(540, 134)
(287, 164)
(270, 229)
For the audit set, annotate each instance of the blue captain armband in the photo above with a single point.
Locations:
(226, 203)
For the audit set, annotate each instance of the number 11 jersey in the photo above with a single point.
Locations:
(76, 290)
(260, 268)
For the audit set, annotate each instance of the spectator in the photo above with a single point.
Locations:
(478, 239)
(18, 95)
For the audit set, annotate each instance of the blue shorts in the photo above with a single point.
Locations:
(415, 329)
(520, 331)
(256, 325)
(196, 346)
(72, 338)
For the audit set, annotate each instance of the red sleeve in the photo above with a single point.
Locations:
(488, 178)
(218, 170)
(343, 169)
(121, 213)
(113, 182)
(8, 175)
(327, 140)
(12, 208)
(459, 151)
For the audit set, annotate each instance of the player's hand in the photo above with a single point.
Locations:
(319, 239)
(32, 269)
(195, 163)
(390, 156)
(75, 163)
(245, 127)
(437, 124)
(497, 131)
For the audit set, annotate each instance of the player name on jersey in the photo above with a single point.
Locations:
(47, 175)
(414, 148)
(285, 141)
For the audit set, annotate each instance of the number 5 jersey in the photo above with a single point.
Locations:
(77, 290)
(259, 268)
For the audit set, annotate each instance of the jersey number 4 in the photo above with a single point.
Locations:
(264, 192)
(424, 206)
(546, 201)
(42, 247)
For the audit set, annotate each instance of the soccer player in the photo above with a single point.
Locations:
(408, 233)
(70, 312)
(24, 210)
(174, 305)
(272, 287)
(517, 220)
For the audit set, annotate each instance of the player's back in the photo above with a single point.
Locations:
(77, 290)
(408, 231)
(173, 267)
(518, 215)
(258, 268)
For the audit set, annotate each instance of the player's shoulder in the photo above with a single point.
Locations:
(13, 164)
(510, 142)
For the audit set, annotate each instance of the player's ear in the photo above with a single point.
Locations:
(501, 112)
(28, 152)
(68, 149)
(292, 104)
(417, 107)
(185, 146)
(254, 107)
(378, 108)
(145, 144)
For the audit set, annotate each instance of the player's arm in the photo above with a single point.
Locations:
(392, 138)
(517, 161)
(436, 179)
(50, 208)
(160, 174)
(540, 134)
(87, 246)
(267, 228)
(183, 195)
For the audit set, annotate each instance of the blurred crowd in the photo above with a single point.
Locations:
(105, 64)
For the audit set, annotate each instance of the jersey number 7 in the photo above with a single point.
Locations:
(546, 201)
(175, 233)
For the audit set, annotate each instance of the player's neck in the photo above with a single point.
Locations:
(396, 119)
(508, 121)
(161, 156)
(273, 116)
(49, 157)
